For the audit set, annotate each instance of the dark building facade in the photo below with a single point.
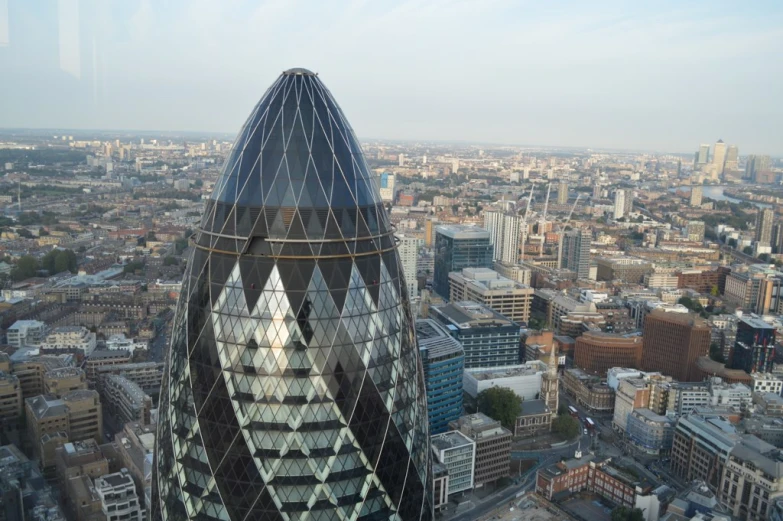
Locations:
(673, 342)
(459, 246)
(294, 388)
(754, 349)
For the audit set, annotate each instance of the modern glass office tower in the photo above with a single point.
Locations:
(294, 388)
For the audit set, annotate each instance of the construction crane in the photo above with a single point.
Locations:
(524, 223)
(561, 233)
(546, 207)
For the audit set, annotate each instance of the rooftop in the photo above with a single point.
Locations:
(43, 406)
(531, 407)
(467, 314)
(434, 339)
(450, 440)
(462, 231)
(528, 369)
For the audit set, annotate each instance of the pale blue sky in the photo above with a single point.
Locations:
(657, 76)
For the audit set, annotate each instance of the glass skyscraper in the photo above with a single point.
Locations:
(459, 246)
(294, 388)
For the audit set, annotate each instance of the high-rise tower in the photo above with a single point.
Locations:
(504, 229)
(294, 388)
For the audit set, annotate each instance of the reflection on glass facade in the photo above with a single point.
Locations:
(294, 389)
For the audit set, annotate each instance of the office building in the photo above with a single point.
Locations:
(136, 447)
(757, 167)
(58, 382)
(632, 393)
(443, 360)
(562, 193)
(701, 447)
(673, 342)
(69, 339)
(624, 269)
(77, 464)
(694, 231)
(597, 352)
(101, 358)
(124, 401)
(146, 375)
(623, 202)
(493, 446)
(26, 333)
(754, 348)
(752, 479)
(649, 432)
(764, 220)
(697, 193)
(387, 187)
(766, 383)
(24, 494)
(523, 379)
(484, 286)
(719, 159)
(293, 305)
(458, 247)
(488, 338)
(576, 252)
(732, 159)
(589, 390)
(458, 453)
(10, 401)
(440, 485)
(703, 155)
(31, 373)
(504, 232)
(408, 249)
(758, 289)
(75, 416)
(117, 493)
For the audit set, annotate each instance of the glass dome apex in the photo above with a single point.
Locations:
(297, 156)
(299, 71)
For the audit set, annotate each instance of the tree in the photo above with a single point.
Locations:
(58, 261)
(562, 409)
(500, 403)
(627, 514)
(732, 243)
(27, 266)
(715, 291)
(747, 250)
(566, 426)
(170, 261)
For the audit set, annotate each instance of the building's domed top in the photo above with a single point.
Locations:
(296, 172)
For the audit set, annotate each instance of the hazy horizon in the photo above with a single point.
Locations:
(606, 75)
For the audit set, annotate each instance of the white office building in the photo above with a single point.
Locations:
(504, 230)
(117, 493)
(409, 256)
(26, 333)
(70, 338)
(458, 453)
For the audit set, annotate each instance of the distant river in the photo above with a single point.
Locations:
(715, 192)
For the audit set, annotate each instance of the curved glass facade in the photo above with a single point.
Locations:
(294, 388)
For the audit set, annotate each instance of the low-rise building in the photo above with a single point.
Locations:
(767, 428)
(26, 333)
(117, 493)
(590, 391)
(31, 373)
(104, 358)
(58, 382)
(769, 404)
(147, 375)
(535, 418)
(440, 485)
(458, 453)
(650, 432)
(493, 446)
(69, 339)
(524, 379)
(485, 286)
(120, 342)
(766, 383)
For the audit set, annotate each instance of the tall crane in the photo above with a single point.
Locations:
(546, 207)
(561, 232)
(524, 222)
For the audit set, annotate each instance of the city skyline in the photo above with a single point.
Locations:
(442, 70)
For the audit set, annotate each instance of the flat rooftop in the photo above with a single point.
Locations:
(467, 314)
(529, 369)
(450, 440)
(462, 231)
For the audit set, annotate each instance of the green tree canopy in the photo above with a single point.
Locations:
(58, 261)
(500, 403)
(623, 513)
(562, 409)
(27, 266)
(566, 426)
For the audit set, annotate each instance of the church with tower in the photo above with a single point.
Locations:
(537, 415)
